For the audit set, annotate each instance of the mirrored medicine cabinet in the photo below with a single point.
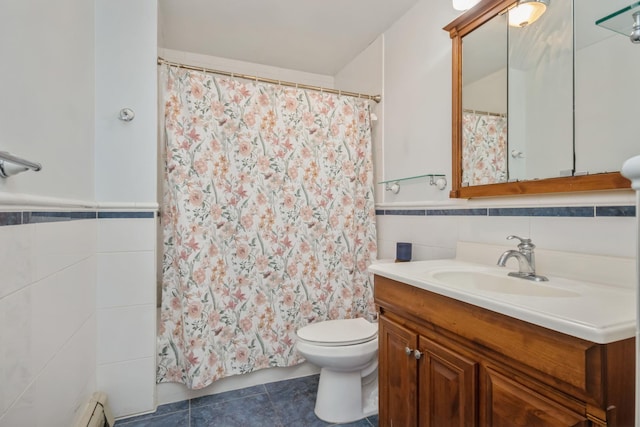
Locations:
(543, 108)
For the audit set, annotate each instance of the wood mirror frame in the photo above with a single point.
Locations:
(458, 28)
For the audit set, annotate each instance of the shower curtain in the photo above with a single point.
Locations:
(268, 222)
(484, 148)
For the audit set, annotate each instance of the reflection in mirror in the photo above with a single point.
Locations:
(541, 95)
(544, 143)
(484, 104)
(607, 65)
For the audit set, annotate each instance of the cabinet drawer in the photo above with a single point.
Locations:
(507, 403)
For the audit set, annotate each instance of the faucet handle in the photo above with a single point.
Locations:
(524, 243)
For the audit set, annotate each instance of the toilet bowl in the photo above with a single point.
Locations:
(347, 353)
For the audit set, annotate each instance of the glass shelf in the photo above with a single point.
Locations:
(429, 175)
(620, 21)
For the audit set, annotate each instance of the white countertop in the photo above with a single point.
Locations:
(596, 312)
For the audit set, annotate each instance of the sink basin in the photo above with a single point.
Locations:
(501, 284)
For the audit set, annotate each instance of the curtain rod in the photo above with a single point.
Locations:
(484, 113)
(376, 98)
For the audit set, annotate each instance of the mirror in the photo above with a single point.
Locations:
(540, 94)
(606, 66)
(484, 104)
(513, 101)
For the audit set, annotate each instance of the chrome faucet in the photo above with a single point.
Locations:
(526, 260)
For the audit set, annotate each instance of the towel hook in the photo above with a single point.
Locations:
(127, 114)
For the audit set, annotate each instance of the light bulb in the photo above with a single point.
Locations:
(526, 12)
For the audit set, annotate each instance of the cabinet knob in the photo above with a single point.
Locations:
(417, 354)
(408, 351)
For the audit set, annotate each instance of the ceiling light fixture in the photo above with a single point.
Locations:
(527, 12)
(464, 4)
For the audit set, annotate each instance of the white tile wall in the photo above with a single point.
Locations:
(126, 235)
(60, 304)
(23, 412)
(126, 333)
(126, 301)
(68, 379)
(63, 245)
(600, 236)
(15, 252)
(431, 237)
(16, 366)
(494, 230)
(47, 321)
(130, 385)
(120, 275)
(436, 236)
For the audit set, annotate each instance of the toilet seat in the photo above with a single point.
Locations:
(342, 332)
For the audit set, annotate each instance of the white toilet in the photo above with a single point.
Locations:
(347, 352)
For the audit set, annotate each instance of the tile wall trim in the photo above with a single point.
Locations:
(39, 217)
(554, 211)
(119, 215)
(18, 201)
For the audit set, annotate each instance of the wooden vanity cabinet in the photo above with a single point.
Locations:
(445, 363)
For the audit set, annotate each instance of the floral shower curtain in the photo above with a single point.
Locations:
(484, 150)
(268, 220)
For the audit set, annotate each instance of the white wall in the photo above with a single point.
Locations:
(46, 113)
(487, 94)
(417, 99)
(605, 104)
(47, 291)
(364, 74)
(126, 179)
(126, 56)
(248, 68)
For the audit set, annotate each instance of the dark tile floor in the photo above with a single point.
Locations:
(287, 403)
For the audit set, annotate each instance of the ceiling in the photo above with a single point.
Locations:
(317, 36)
(544, 38)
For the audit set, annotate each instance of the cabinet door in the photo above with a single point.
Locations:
(447, 387)
(397, 375)
(507, 403)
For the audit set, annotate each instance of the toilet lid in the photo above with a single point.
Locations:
(339, 332)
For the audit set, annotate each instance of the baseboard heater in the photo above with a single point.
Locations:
(96, 412)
